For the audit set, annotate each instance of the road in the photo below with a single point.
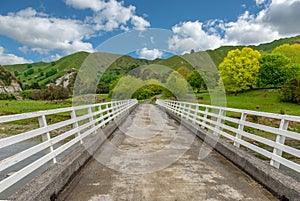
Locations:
(151, 157)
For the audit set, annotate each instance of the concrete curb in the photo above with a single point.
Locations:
(49, 184)
(281, 185)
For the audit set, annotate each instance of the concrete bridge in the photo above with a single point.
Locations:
(169, 151)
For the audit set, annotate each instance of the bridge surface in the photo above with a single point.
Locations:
(117, 173)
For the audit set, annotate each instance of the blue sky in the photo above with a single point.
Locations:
(41, 30)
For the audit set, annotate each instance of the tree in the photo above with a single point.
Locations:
(239, 69)
(177, 85)
(125, 87)
(16, 73)
(290, 51)
(290, 92)
(51, 72)
(196, 81)
(274, 71)
(184, 72)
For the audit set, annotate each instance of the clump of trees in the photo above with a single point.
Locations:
(50, 93)
(245, 69)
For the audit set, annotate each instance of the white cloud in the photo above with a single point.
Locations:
(95, 5)
(280, 18)
(110, 15)
(260, 2)
(283, 15)
(191, 35)
(149, 54)
(139, 23)
(6, 59)
(53, 57)
(44, 33)
(246, 30)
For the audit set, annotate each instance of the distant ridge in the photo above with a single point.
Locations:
(40, 72)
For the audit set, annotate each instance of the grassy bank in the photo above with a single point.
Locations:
(22, 106)
(258, 100)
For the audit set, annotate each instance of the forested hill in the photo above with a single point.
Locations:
(41, 74)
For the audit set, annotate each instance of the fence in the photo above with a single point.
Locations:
(263, 133)
(78, 123)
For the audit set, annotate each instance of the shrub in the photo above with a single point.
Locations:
(290, 92)
(7, 97)
(51, 93)
(51, 72)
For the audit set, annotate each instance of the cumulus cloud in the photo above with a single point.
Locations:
(191, 35)
(42, 33)
(278, 19)
(283, 15)
(259, 2)
(247, 30)
(149, 54)
(95, 5)
(45, 33)
(7, 59)
(110, 15)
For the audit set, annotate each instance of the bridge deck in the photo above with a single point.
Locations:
(142, 165)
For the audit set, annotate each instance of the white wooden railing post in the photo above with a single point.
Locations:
(75, 124)
(195, 114)
(238, 136)
(219, 121)
(46, 136)
(177, 108)
(101, 115)
(189, 112)
(91, 118)
(280, 139)
(205, 116)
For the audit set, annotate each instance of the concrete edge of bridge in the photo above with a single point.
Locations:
(49, 184)
(281, 185)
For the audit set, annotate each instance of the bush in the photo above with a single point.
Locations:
(51, 72)
(51, 93)
(28, 72)
(147, 92)
(26, 94)
(7, 97)
(290, 92)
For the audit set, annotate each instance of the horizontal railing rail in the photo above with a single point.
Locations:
(237, 126)
(77, 123)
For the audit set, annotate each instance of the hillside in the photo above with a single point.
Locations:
(9, 84)
(219, 54)
(57, 71)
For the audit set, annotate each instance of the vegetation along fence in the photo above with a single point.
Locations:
(44, 143)
(270, 136)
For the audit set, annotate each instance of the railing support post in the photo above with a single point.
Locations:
(75, 125)
(195, 114)
(284, 124)
(46, 136)
(219, 121)
(238, 136)
(91, 118)
(101, 115)
(205, 116)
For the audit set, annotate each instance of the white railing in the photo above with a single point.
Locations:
(78, 123)
(234, 126)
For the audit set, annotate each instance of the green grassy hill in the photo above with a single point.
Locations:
(43, 73)
(219, 54)
(40, 72)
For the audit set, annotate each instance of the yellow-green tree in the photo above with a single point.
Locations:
(290, 51)
(239, 69)
(177, 85)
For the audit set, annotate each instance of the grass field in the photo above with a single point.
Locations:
(258, 100)
(22, 106)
